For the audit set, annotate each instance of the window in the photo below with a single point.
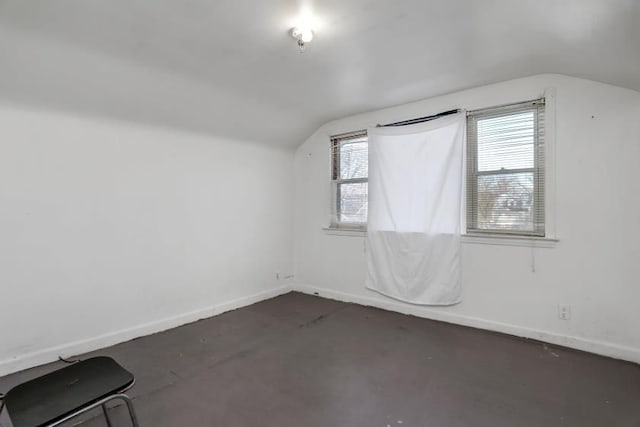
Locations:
(349, 176)
(505, 170)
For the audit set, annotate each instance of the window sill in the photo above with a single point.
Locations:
(346, 231)
(507, 240)
(489, 239)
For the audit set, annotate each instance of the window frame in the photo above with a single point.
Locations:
(337, 181)
(551, 237)
(539, 188)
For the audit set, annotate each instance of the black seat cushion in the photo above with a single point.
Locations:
(53, 396)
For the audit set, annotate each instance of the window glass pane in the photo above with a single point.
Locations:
(506, 142)
(354, 161)
(353, 202)
(505, 202)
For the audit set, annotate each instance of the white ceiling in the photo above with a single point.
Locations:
(229, 68)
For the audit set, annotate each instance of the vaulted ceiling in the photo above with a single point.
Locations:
(229, 68)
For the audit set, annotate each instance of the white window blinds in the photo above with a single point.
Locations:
(505, 169)
(350, 174)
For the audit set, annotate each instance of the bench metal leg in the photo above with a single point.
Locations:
(106, 415)
(132, 412)
(102, 403)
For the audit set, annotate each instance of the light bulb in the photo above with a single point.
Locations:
(306, 36)
(303, 34)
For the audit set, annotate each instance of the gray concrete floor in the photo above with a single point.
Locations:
(298, 360)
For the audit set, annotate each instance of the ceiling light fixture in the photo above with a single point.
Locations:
(303, 35)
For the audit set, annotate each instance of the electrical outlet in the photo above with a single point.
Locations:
(564, 311)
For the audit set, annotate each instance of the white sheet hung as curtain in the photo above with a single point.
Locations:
(415, 196)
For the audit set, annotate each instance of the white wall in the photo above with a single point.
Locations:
(110, 231)
(594, 267)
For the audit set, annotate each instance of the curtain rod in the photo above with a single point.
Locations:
(458, 110)
(421, 119)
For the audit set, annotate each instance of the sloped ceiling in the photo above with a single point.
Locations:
(228, 67)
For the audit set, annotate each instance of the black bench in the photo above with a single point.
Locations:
(54, 398)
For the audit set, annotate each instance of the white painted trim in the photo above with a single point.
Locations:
(550, 163)
(51, 354)
(506, 240)
(598, 347)
(352, 232)
(488, 239)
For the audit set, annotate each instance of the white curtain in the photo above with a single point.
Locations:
(415, 194)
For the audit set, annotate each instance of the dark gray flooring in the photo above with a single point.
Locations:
(299, 360)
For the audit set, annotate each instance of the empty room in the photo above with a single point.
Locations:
(367, 213)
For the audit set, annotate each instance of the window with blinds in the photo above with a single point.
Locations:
(349, 177)
(505, 170)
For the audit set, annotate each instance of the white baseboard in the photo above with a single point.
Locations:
(592, 346)
(51, 354)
